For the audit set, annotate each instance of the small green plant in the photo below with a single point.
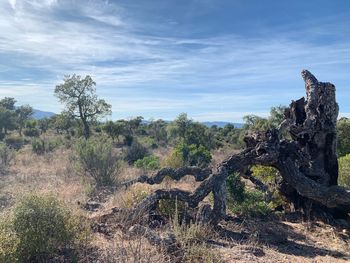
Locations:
(173, 160)
(171, 207)
(253, 205)
(135, 194)
(8, 241)
(14, 141)
(148, 163)
(268, 176)
(6, 156)
(241, 201)
(41, 146)
(193, 240)
(31, 132)
(39, 228)
(96, 158)
(344, 171)
(235, 188)
(135, 152)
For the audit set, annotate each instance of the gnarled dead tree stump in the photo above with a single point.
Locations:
(307, 162)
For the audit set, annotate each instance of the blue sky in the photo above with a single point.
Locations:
(215, 60)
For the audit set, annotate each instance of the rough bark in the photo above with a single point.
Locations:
(307, 163)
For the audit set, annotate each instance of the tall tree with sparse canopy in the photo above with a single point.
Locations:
(79, 96)
(24, 113)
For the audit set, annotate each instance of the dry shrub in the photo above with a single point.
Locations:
(192, 239)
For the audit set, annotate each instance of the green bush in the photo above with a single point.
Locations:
(173, 160)
(41, 146)
(235, 188)
(31, 132)
(343, 136)
(148, 163)
(268, 176)
(253, 204)
(344, 171)
(135, 152)
(14, 141)
(8, 242)
(39, 229)
(171, 207)
(96, 158)
(6, 156)
(241, 201)
(193, 155)
(128, 140)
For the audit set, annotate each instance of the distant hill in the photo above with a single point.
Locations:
(221, 124)
(38, 114)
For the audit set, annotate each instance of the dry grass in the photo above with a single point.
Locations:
(50, 173)
(269, 239)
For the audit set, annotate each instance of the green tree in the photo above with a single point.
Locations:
(79, 96)
(157, 130)
(179, 126)
(113, 129)
(7, 120)
(8, 103)
(7, 114)
(343, 136)
(43, 124)
(62, 122)
(24, 113)
(276, 116)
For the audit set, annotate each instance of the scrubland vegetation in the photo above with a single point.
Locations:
(59, 176)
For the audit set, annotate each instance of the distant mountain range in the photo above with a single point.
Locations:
(39, 114)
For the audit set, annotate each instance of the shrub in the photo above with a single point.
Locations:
(253, 204)
(193, 239)
(14, 141)
(268, 176)
(8, 242)
(96, 158)
(173, 160)
(128, 140)
(148, 163)
(40, 227)
(6, 156)
(135, 194)
(31, 132)
(193, 154)
(240, 201)
(41, 146)
(171, 207)
(135, 152)
(344, 171)
(235, 188)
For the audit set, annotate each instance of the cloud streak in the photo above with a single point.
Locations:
(220, 76)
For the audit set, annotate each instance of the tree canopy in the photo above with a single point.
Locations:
(79, 96)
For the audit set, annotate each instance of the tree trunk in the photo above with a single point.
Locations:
(307, 163)
(86, 129)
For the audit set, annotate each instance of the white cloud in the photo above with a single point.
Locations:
(13, 3)
(139, 72)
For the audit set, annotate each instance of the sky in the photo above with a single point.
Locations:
(216, 60)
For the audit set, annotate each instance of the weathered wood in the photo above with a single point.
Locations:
(307, 163)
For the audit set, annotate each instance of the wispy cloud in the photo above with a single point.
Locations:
(219, 76)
